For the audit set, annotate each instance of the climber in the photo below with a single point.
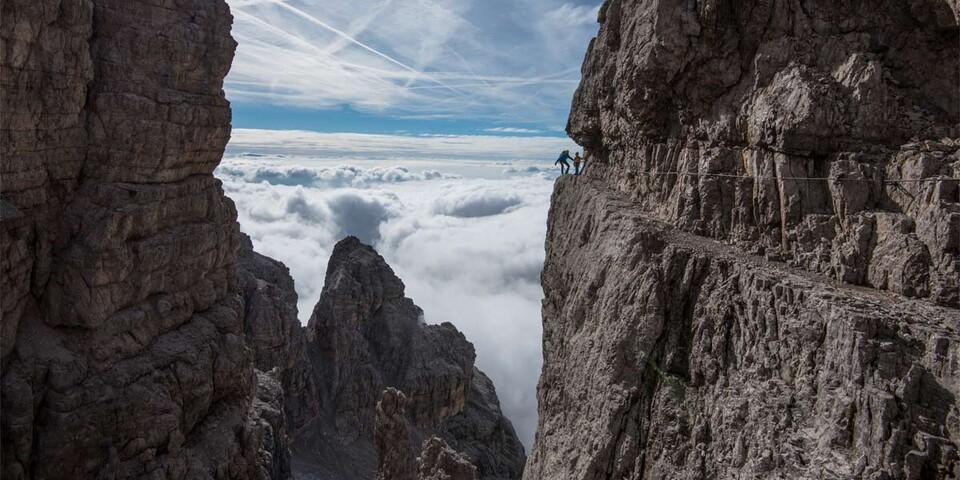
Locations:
(562, 161)
(577, 159)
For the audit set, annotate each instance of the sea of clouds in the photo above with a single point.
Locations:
(466, 235)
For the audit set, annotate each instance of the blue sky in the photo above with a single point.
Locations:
(466, 67)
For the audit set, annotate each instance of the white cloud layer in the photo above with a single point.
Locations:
(472, 202)
(500, 60)
(331, 177)
(465, 236)
(511, 130)
(364, 146)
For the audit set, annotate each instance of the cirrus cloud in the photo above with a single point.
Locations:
(500, 60)
(363, 146)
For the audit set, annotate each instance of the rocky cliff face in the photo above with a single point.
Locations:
(762, 96)
(274, 333)
(141, 336)
(757, 277)
(364, 336)
(122, 334)
(437, 461)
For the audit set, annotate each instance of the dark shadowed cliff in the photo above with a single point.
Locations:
(758, 275)
(122, 333)
(364, 336)
(141, 336)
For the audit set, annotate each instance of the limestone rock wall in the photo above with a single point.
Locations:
(437, 461)
(141, 336)
(274, 334)
(713, 115)
(122, 346)
(668, 355)
(715, 307)
(365, 336)
(395, 456)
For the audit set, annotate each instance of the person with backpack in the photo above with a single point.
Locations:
(563, 162)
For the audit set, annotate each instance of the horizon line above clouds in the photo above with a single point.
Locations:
(496, 64)
(396, 147)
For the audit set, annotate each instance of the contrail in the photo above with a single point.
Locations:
(346, 36)
(305, 43)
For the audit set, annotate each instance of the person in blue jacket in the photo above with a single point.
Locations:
(563, 162)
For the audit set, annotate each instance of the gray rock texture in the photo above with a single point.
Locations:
(767, 94)
(440, 462)
(141, 336)
(710, 311)
(668, 355)
(364, 336)
(122, 346)
(268, 415)
(273, 331)
(393, 438)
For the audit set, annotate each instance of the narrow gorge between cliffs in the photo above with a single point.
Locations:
(757, 275)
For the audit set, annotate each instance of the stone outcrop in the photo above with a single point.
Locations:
(668, 355)
(364, 336)
(714, 115)
(122, 346)
(483, 434)
(440, 462)
(267, 414)
(273, 331)
(393, 434)
(714, 307)
(395, 457)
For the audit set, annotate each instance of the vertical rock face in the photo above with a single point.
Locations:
(668, 355)
(274, 333)
(695, 320)
(123, 349)
(368, 335)
(395, 458)
(770, 94)
(365, 335)
(437, 461)
(270, 428)
(135, 341)
(440, 462)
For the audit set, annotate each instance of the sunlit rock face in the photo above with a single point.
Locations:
(774, 94)
(122, 329)
(715, 307)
